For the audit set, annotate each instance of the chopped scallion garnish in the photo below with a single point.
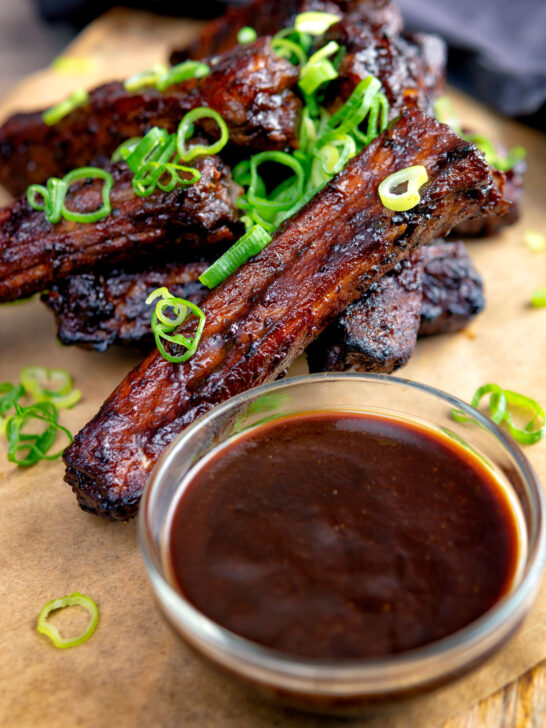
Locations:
(163, 326)
(75, 599)
(74, 65)
(25, 448)
(538, 297)
(182, 72)
(246, 35)
(54, 193)
(535, 241)
(58, 112)
(143, 79)
(499, 402)
(50, 385)
(248, 245)
(186, 130)
(315, 23)
(410, 178)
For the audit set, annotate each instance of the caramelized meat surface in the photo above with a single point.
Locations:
(378, 332)
(436, 290)
(269, 16)
(266, 313)
(97, 310)
(34, 254)
(249, 87)
(452, 289)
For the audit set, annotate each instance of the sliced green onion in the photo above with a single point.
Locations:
(497, 401)
(74, 65)
(26, 449)
(289, 49)
(354, 110)
(535, 241)
(415, 177)
(315, 23)
(58, 112)
(313, 76)
(38, 381)
(106, 207)
(251, 243)
(75, 599)
(9, 395)
(531, 433)
(186, 129)
(175, 179)
(246, 35)
(538, 297)
(163, 326)
(146, 78)
(182, 72)
(276, 201)
(125, 149)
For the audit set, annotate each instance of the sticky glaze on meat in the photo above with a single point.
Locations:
(34, 254)
(266, 313)
(269, 16)
(249, 87)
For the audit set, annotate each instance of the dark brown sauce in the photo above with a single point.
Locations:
(333, 535)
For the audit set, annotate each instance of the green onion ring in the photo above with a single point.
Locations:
(125, 149)
(246, 35)
(62, 396)
(38, 446)
(182, 72)
(415, 177)
(314, 22)
(287, 48)
(261, 202)
(11, 394)
(529, 435)
(75, 599)
(185, 131)
(58, 112)
(143, 79)
(163, 326)
(315, 75)
(106, 207)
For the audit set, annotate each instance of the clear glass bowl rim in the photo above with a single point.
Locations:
(455, 650)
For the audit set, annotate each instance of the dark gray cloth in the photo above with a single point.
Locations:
(497, 47)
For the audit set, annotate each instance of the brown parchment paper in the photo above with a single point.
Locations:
(133, 672)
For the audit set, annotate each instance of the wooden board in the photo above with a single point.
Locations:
(133, 672)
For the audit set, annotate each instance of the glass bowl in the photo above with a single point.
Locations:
(345, 686)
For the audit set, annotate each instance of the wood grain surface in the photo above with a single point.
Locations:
(521, 704)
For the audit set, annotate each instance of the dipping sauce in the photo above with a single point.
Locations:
(340, 535)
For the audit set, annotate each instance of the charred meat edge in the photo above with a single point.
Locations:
(34, 254)
(265, 315)
(249, 87)
(436, 290)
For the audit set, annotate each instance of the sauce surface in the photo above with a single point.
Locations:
(335, 535)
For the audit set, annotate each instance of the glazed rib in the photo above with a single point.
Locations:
(269, 16)
(265, 314)
(34, 254)
(249, 87)
(436, 290)
(97, 310)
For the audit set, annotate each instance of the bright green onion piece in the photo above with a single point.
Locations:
(58, 112)
(186, 128)
(251, 243)
(354, 110)
(535, 241)
(256, 191)
(538, 297)
(313, 76)
(497, 401)
(50, 385)
(146, 78)
(530, 434)
(246, 35)
(9, 395)
(74, 65)
(52, 198)
(75, 599)
(379, 109)
(175, 179)
(163, 326)
(315, 23)
(28, 449)
(182, 72)
(326, 51)
(106, 207)
(415, 177)
(125, 149)
(289, 49)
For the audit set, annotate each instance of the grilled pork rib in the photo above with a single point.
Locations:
(269, 16)
(436, 290)
(266, 313)
(249, 87)
(97, 310)
(34, 254)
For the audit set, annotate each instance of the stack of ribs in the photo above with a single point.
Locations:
(345, 279)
